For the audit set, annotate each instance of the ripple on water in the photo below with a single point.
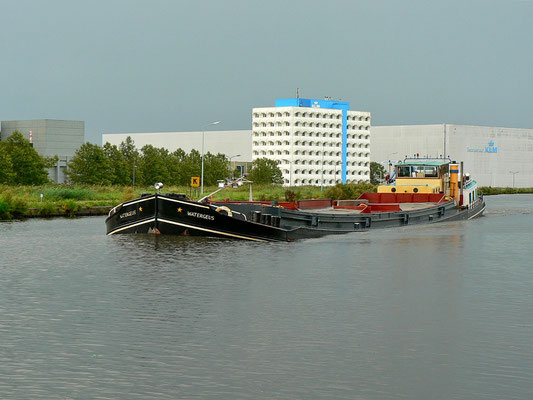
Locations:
(438, 311)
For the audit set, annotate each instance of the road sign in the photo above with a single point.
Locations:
(195, 181)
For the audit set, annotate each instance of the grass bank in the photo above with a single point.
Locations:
(69, 200)
(52, 200)
(504, 190)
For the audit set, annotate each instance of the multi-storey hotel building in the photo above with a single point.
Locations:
(316, 142)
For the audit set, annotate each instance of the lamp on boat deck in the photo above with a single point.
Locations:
(203, 148)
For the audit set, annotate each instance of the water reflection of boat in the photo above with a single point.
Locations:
(421, 191)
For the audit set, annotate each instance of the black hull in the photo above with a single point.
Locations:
(168, 214)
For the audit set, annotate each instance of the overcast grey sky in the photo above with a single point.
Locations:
(163, 65)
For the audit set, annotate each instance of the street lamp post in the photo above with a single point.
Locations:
(514, 173)
(203, 148)
(236, 155)
(388, 158)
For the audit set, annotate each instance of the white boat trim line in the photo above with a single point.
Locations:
(131, 226)
(479, 212)
(210, 230)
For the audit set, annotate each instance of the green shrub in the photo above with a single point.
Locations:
(290, 195)
(12, 206)
(4, 210)
(47, 208)
(127, 195)
(70, 207)
(57, 193)
(348, 191)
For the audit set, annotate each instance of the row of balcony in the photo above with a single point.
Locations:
(325, 182)
(325, 172)
(305, 114)
(306, 144)
(310, 125)
(311, 134)
(309, 153)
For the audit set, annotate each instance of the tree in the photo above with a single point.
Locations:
(6, 166)
(154, 165)
(90, 166)
(265, 170)
(28, 167)
(187, 165)
(118, 168)
(179, 171)
(377, 173)
(216, 167)
(130, 155)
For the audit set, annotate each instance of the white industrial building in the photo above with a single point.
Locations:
(315, 142)
(494, 156)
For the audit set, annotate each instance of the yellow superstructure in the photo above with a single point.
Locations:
(419, 176)
(413, 185)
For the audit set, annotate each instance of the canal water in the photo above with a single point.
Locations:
(440, 311)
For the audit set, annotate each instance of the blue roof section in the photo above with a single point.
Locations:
(313, 103)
